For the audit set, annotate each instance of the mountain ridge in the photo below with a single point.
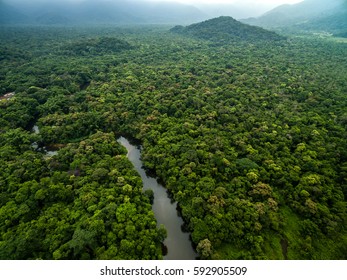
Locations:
(100, 12)
(10, 14)
(224, 29)
(309, 15)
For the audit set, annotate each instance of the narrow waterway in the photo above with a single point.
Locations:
(48, 152)
(177, 242)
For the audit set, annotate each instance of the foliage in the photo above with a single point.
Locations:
(226, 29)
(249, 139)
(343, 34)
(84, 203)
(95, 46)
(319, 16)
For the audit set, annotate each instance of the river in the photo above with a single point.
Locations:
(177, 242)
(46, 150)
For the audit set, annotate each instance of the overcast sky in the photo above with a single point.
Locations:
(254, 7)
(271, 2)
(237, 9)
(266, 2)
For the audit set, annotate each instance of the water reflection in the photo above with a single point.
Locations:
(177, 242)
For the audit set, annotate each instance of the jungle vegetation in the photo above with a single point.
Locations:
(306, 17)
(248, 137)
(224, 29)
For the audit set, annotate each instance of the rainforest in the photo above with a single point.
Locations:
(247, 135)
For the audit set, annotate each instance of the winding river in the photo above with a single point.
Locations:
(177, 242)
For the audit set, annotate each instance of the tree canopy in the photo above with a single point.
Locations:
(248, 138)
(225, 29)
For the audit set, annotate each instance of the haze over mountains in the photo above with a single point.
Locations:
(99, 12)
(121, 11)
(309, 15)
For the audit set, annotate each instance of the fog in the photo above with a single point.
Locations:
(254, 6)
(131, 11)
(190, 2)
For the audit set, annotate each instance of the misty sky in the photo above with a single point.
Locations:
(270, 2)
(243, 2)
(238, 8)
(251, 8)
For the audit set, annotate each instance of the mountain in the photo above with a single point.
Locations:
(238, 11)
(101, 12)
(166, 12)
(9, 14)
(93, 12)
(225, 29)
(343, 35)
(309, 15)
(336, 23)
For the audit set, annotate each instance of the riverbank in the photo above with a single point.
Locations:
(178, 244)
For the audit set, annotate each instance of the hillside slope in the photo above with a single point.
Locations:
(99, 12)
(226, 29)
(309, 15)
(9, 14)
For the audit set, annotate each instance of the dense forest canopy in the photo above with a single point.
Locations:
(226, 29)
(249, 138)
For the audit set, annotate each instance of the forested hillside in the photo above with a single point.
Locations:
(249, 138)
(306, 16)
(97, 12)
(225, 29)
